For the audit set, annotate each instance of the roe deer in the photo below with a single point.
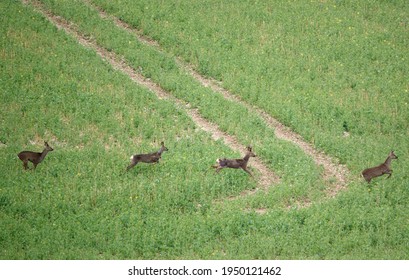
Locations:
(34, 157)
(147, 158)
(235, 163)
(384, 168)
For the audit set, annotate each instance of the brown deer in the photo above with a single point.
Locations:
(235, 163)
(384, 168)
(147, 158)
(34, 157)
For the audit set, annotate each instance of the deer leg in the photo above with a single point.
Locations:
(131, 165)
(390, 174)
(25, 165)
(218, 169)
(245, 169)
(367, 178)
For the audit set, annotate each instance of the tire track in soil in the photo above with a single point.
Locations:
(332, 169)
(266, 178)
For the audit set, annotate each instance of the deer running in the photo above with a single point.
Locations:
(384, 168)
(34, 157)
(235, 163)
(147, 158)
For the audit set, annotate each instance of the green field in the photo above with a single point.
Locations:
(335, 72)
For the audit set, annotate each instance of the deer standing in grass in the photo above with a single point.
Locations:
(235, 163)
(34, 157)
(147, 158)
(384, 168)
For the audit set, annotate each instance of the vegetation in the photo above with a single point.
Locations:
(338, 68)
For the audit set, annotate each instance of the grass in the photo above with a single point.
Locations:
(78, 204)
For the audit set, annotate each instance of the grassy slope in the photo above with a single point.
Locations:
(77, 206)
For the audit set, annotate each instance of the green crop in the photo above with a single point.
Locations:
(334, 72)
